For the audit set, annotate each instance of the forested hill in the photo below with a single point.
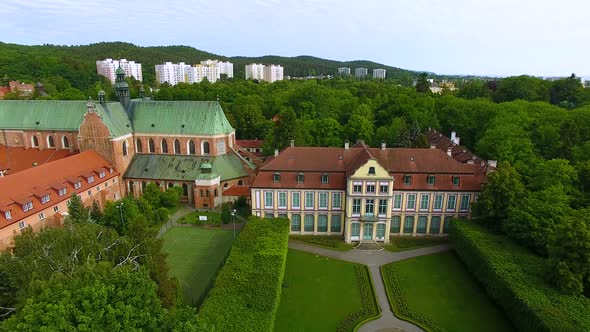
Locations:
(77, 64)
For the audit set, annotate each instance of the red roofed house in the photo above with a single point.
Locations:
(366, 194)
(13, 160)
(38, 196)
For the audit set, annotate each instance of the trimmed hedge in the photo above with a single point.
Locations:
(368, 301)
(247, 291)
(399, 305)
(514, 278)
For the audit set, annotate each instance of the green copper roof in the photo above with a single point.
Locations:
(59, 115)
(182, 167)
(179, 117)
(119, 71)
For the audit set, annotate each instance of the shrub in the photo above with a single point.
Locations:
(163, 214)
(247, 291)
(329, 241)
(226, 213)
(514, 278)
(369, 305)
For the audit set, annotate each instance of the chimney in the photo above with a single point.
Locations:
(453, 136)
(449, 151)
(276, 152)
(432, 146)
(292, 143)
(383, 145)
(101, 97)
(346, 145)
(493, 163)
(470, 161)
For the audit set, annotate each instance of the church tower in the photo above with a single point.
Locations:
(122, 89)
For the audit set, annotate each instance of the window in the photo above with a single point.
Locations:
(191, 147)
(435, 225)
(90, 179)
(276, 177)
(308, 223)
(411, 203)
(369, 206)
(324, 178)
(456, 181)
(383, 188)
(309, 200)
(45, 199)
(138, 146)
(422, 222)
(323, 200)
(382, 206)
(409, 225)
(164, 146)
(356, 206)
(355, 229)
(115, 180)
(336, 225)
(407, 180)
(8, 215)
(98, 188)
(22, 225)
(447, 224)
(357, 188)
(220, 147)
(34, 141)
(41, 216)
(451, 202)
(300, 178)
(370, 188)
(295, 200)
(77, 185)
(336, 200)
(430, 180)
(102, 174)
(50, 143)
(116, 196)
(268, 199)
(206, 148)
(371, 170)
(282, 215)
(322, 223)
(27, 206)
(424, 201)
(269, 215)
(397, 201)
(438, 199)
(176, 146)
(65, 142)
(282, 199)
(124, 148)
(89, 192)
(395, 224)
(151, 146)
(106, 184)
(56, 208)
(295, 222)
(464, 202)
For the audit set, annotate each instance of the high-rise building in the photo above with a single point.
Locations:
(273, 73)
(226, 67)
(172, 73)
(344, 71)
(360, 72)
(197, 73)
(108, 67)
(255, 71)
(379, 73)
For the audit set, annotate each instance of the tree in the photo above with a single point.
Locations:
(77, 212)
(226, 209)
(171, 197)
(286, 129)
(153, 195)
(359, 128)
(422, 84)
(95, 213)
(566, 92)
(114, 218)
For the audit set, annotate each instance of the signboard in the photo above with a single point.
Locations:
(202, 218)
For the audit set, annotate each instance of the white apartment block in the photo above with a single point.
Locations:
(273, 73)
(379, 73)
(197, 73)
(223, 67)
(107, 68)
(360, 72)
(255, 71)
(172, 73)
(343, 71)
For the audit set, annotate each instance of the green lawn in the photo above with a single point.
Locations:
(193, 218)
(318, 292)
(194, 256)
(403, 243)
(439, 288)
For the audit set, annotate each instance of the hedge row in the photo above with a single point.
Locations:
(369, 305)
(513, 277)
(247, 291)
(398, 302)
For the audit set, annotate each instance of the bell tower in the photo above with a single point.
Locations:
(122, 89)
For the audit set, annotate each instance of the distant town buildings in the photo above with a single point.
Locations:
(360, 72)
(196, 73)
(269, 73)
(226, 67)
(344, 71)
(174, 73)
(107, 68)
(379, 73)
(16, 87)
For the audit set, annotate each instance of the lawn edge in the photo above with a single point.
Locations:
(321, 246)
(377, 306)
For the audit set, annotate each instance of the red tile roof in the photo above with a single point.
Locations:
(18, 159)
(250, 143)
(237, 191)
(26, 186)
(443, 143)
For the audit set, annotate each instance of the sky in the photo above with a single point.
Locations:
(480, 37)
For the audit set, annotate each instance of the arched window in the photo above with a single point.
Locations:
(372, 170)
(158, 184)
(34, 141)
(164, 146)
(176, 146)
(65, 142)
(184, 189)
(124, 148)
(191, 147)
(206, 148)
(220, 147)
(240, 183)
(130, 187)
(151, 146)
(138, 147)
(50, 143)
(170, 185)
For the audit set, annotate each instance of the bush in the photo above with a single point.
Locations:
(329, 241)
(226, 213)
(369, 304)
(247, 291)
(514, 278)
(163, 214)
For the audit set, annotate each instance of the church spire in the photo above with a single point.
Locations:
(122, 88)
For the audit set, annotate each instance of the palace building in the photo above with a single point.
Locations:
(366, 194)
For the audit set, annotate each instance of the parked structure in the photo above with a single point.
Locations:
(108, 68)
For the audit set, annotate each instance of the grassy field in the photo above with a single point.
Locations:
(335, 242)
(194, 256)
(193, 218)
(439, 288)
(403, 243)
(318, 293)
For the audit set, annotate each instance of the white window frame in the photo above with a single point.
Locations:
(27, 206)
(337, 197)
(41, 216)
(45, 199)
(78, 185)
(284, 194)
(384, 206)
(442, 201)
(62, 191)
(266, 193)
(408, 202)
(102, 174)
(325, 196)
(370, 185)
(370, 203)
(359, 205)
(384, 185)
(90, 179)
(454, 203)
(312, 200)
(56, 208)
(298, 194)
(22, 225)
(357, 184)
(467, 197)
(401, 201)
(427, 202)
(7, 215)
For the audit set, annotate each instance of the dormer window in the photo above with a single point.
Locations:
(456, 181)
(102, 174)
(430, 180)
(276, 178)
(77, 185)
(111, 171)
(62, 191)
(371, 170)
(8, 215)
(27, 206)
(90, 179)
(324, 178)
(44, 199)
(407, 180)
(300, 178)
